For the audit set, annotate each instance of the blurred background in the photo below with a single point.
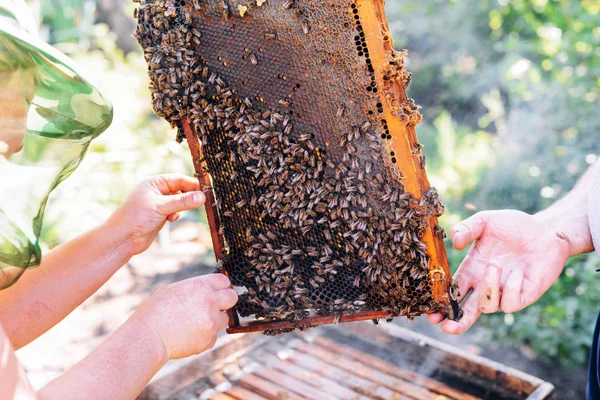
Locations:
(509, 90)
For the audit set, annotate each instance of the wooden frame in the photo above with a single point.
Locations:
(404, 139)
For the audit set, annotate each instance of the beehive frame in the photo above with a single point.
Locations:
(394, 117)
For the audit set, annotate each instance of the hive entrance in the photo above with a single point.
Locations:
(297, 110)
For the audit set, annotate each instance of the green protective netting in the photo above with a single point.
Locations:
(49, 114)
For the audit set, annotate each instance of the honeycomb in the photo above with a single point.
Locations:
(322, 206)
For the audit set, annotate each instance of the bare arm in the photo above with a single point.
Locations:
(179, 320)
(118, 369)
(569, 216)
(67, 276)
(72, 272)
(13, 383)
(517, 257)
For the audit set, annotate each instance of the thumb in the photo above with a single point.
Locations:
(468, 230)
(172, 204)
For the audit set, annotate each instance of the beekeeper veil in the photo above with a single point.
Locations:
(49, 114)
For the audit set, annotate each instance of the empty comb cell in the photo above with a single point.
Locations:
(303, 139)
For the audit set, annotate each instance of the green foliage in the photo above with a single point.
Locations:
(520, 80)
(69, 20)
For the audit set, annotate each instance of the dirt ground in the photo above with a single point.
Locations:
(182, 253)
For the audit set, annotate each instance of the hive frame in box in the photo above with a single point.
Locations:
(403, 141)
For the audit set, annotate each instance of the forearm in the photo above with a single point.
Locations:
(118, 369)
(68, 275)
(569, 216)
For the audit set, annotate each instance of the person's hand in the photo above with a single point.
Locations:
(152, 203)
(514, 259)
(187, 315)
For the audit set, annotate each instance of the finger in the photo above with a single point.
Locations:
(467, 276)
(227, 298)
(468, 230)
(511, 292)
(489, 292)
(222, 320)
(173, 217)
(470, 314)
(436, 318)
(173, 183)
(464, 283)
(212, 342)
(218, 281)
(531, 291)
(172, 204)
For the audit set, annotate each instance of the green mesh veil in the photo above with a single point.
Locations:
(49, 114)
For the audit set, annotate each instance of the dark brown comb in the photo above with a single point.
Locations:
(303, 139)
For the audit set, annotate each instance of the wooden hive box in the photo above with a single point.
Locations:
(359, 362)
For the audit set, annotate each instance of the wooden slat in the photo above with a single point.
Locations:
(221, 396)
(543, 392)
(346, 378)
(217, 379)
(308, 377)
(389, 381)
(259, 325)
(227, 347)
(389, 368)
(293, 384)
(267, 389)
(319, 381)
(238, 392)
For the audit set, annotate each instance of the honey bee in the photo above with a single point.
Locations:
(305, 27)
(225, 12)
(287, 4)
(455, 289)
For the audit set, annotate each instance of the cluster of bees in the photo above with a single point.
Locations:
(311, 229)
(395, 72)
